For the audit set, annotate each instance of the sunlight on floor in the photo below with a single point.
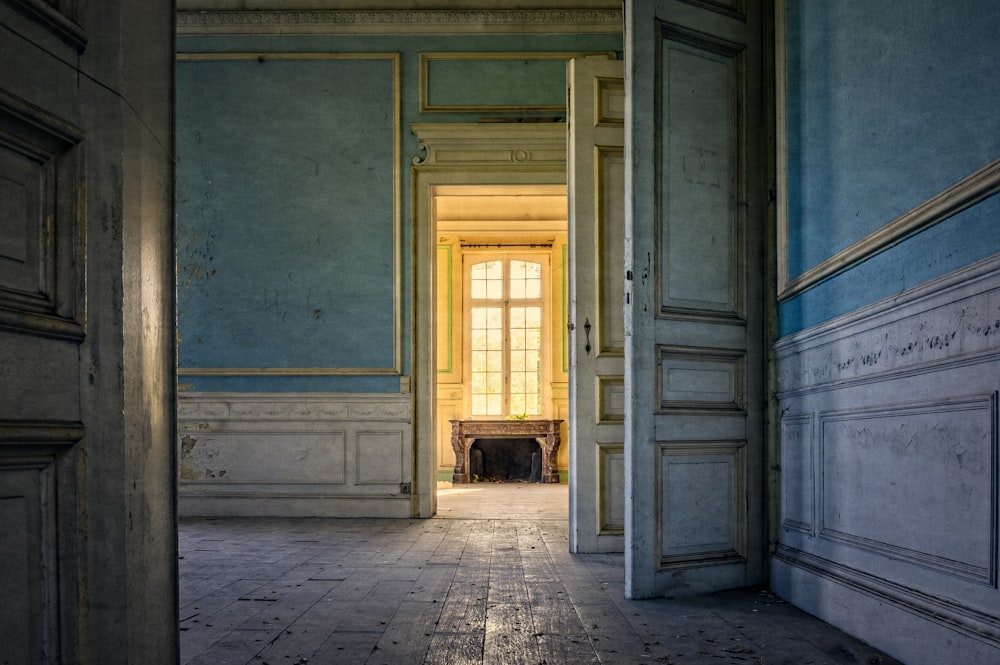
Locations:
(504, 501)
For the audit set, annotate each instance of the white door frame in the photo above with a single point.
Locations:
(460, 154)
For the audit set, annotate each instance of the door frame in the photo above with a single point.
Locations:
(460, 154)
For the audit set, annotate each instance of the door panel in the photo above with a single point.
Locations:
(88, 562)
(42, 323)
(596, 173)
(693, 314)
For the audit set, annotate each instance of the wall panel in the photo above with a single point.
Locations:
(295, 454)
(289, 214)
(890, 468)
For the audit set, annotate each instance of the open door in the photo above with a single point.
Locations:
(694, 331)
(88, 556)
(596, 182)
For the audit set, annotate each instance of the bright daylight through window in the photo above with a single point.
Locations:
(506, 338)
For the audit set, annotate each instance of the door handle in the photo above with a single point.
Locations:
(586, 329)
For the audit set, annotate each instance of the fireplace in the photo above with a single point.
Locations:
(464, 434)
(500, 460)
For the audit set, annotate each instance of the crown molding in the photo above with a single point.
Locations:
(376, 22)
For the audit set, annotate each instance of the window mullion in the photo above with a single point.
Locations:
(506, 336)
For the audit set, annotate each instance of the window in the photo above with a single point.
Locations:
(505, 299)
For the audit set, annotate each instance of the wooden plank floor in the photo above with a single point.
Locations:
(267, 591)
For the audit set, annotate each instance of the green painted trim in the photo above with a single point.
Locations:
(445, 476)
(564, 477)
(565, 313)
(447, 370)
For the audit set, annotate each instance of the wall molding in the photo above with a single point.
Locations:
(889, 455)
(42, 282)
(380, 22)
(469, 145)
(395, 369)
(964, 194)
(427, 59)
(970, 622)
(318, 454)
(461, 154)
(895, 337)
(60, 23)
(986, 405)
(967, 192)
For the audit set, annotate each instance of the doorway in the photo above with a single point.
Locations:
(498, 194)
(501, 346)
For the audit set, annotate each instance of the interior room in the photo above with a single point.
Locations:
(285, 285)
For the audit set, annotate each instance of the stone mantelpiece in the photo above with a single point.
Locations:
(465, 432)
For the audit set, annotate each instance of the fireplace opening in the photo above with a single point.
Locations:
(506, 460)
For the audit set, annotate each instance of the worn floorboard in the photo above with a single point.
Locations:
(492, 583)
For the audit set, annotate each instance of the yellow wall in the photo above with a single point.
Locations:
(450, 356)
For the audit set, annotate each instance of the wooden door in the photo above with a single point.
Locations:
(695, 174)
(88, 562)
(596, 180)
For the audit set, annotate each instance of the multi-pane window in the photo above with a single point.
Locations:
(505, 326)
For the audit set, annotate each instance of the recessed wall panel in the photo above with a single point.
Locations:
(798, 486)
(288, 214)
(916, 482)
(263, 456)
(379, 458)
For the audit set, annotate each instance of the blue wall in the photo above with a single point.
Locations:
(286, 196)
(888, 104)
(286, 258)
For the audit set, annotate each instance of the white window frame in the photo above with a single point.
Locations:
(472, 256)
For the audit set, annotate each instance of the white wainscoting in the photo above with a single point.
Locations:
(295, 454)
(889, 470)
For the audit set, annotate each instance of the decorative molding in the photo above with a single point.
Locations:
(43, 291)
(426, 60)
(396, 368)
(323, 454)
(703, 359)
(292, 407)
(288, 371)
(59, 24)
(985, 406)
(606, 415)
(40, 432)
(964, 194)
(805, 442)
(949, 321)
(40, 468)
(734, 310)
(609, 455)
(735, 453)
(376, 22)
(735, 9)
(449, 300)
(464, 145)
(610, 242)
(932, 608)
